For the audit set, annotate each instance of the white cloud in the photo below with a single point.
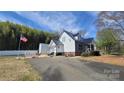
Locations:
(53, 20)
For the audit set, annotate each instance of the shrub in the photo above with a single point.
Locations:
(92, 53)
(95, 53)
(85, 54)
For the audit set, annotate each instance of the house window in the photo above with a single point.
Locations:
(80, 47)
(76, 37)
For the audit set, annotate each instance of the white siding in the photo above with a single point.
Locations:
(52, 47)
(59, 48)
(43, 48)
(69, 43)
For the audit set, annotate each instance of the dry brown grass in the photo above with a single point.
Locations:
(110, 59)
(15, 69)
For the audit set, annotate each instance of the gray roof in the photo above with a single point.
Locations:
(70, 34)
(57, 42)
(82, 40)
(85, 40)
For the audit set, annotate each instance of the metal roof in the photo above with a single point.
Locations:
(57, 42)
(85, 40)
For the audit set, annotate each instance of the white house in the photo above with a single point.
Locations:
(70, 44)
(55, 47)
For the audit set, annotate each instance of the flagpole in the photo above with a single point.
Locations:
(19, 45)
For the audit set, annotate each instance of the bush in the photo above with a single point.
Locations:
(51, 53)
(95, 53)
(85, 54)
(92, 53)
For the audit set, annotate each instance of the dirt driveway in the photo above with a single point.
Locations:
(72, 69)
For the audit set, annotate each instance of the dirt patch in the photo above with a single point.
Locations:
(40, 56)
(109, 59)
(16, 69)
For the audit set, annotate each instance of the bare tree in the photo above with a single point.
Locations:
(110, 19)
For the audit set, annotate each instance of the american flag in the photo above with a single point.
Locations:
(24, 39)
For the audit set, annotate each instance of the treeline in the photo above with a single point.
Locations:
(10, 36)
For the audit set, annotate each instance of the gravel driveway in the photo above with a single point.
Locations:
(72, 69)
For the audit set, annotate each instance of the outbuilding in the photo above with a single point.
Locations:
(43, 48)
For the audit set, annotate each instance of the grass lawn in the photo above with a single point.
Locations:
(15, 69)
(110, 59)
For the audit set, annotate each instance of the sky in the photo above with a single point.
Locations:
(54, 21)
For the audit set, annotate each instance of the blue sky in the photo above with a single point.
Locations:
(54, 21)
